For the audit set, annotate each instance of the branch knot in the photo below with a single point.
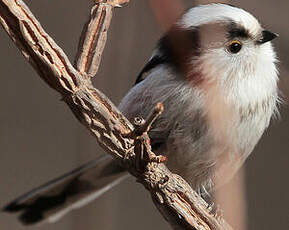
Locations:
(114, 3)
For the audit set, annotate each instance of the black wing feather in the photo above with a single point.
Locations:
(153, 62)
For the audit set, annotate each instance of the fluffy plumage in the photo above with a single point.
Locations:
(215, 73)
(217, 103)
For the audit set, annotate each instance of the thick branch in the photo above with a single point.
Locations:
(175, 199)
(89, 105)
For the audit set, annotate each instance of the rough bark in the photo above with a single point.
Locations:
(127, 143)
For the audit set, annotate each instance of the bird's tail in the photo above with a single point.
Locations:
(73, 190)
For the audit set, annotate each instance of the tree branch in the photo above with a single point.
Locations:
(93, 37)
(175, 199)
(92, 40)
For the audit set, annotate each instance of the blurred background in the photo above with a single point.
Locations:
(40, 139)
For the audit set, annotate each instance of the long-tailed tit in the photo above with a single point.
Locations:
(215, 73)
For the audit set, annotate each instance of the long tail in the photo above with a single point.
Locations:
(73, 190)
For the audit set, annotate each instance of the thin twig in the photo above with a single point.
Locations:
(143, 126)
(175, 199)
(93, 39)
(115, 3)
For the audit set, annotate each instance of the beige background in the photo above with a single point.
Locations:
(40, 139)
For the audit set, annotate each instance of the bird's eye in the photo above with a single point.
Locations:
(235, 46)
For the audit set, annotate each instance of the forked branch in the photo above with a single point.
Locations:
(175, 199)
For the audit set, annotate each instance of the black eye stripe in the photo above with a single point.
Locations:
(237, 31)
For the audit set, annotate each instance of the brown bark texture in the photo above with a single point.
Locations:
(128, 143)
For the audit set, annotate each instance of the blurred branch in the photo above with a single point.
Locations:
(175, 199)
(166, 13)
(234, 193)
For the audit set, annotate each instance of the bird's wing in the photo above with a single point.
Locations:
(155, 61)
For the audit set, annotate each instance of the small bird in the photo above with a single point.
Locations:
(215, 73)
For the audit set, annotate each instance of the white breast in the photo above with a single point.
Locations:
(241, 98)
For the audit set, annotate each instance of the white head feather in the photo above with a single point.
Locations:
(205, 14)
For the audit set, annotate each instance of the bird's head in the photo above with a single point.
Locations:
(219, 42)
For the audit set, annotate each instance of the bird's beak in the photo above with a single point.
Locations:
(267, 36)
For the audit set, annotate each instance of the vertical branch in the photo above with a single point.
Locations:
(93, 37)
